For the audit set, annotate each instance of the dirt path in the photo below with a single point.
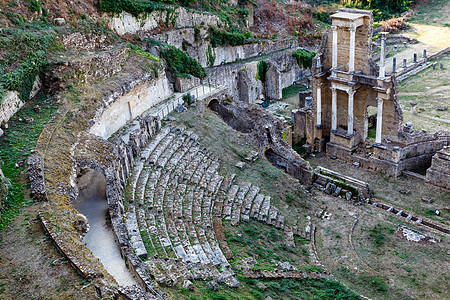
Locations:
(430, 37)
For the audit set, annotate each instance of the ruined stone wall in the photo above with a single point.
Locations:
(124, 22)
(10, 104)
(439, 172)
(241, 77)
(267, 134)
(143, 95)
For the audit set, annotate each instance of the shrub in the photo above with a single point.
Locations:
(219, 37)
(262, 69)
(22, 79)
(180, 64)
(322, 16)
(304, 58)
(187, 98)
(382, 9)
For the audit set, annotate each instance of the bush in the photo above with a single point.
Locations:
(382, 9)
(304, 58)
(322, 16)
(187, 98)
(180, 64)
(219, 37)
(261, 73)
(138, 7)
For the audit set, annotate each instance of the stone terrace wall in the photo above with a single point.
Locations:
(126, 23)
(129, 103)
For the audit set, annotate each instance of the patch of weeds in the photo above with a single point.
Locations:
(379, 234)
(15, 146)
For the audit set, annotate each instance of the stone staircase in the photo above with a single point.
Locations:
(174, 204)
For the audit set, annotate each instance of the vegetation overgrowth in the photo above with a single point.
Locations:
(180, 64)
(304, 58)
(219, 37)
(382, 9)
(15, 146)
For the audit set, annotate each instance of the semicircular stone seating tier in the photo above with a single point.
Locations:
(175, 201)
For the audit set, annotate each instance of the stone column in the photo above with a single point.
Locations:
(424, 53)
(383, 55)
(319, 105)
(415, 57)
(404, 63)
(333, 108)
(394, 64)
(379, 121)
(351, 62)
(351, 93)
(334, 53)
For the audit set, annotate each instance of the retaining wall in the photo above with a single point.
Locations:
(121, 108)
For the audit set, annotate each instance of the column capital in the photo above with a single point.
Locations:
(333, 89)
(333, 27)
(351, 92)
(352, 28)
(380, 100)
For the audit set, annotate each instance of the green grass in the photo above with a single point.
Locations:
(433, 13)
(15, 146)
(264, 243)
(292, 90)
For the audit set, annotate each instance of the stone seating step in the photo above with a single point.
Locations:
(135, 236)
(249, 198)
(256, 205)
(264, 210)
(228, 203)
(160, 148)
(237, 204)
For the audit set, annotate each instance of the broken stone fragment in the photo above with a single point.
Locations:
(427, 199)
(212, 285)
(405, 191)
(240, 165)
(286, 266)
(59, 21)
(187, 284)
(348, 196)
(442, 108)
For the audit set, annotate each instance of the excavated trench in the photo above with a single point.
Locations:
(91, 202)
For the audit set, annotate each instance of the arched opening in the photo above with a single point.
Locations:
(92, 203)
(214, 105)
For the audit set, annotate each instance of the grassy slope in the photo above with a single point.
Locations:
(428, 89)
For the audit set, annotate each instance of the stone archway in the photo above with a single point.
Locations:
(214, 105)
